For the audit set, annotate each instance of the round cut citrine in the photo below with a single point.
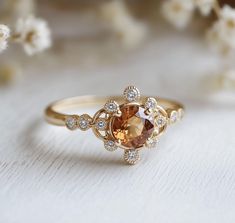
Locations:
(133, 127)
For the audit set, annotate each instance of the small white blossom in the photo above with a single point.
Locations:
(34, 34)
(178, 12)
(4, 35)
(222, 34)
(204, 6)
(116, 14)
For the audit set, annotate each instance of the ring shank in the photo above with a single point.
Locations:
(54, 112)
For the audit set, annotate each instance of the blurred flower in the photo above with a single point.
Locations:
(204, 6)
(221, 36)
(228, 79)
(4, 35)
(9, 72)
(178, 12)
(122, 23)
(34, 34)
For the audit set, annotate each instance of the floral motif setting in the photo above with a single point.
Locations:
(131, 126)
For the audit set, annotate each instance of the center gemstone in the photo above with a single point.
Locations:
(133, 127)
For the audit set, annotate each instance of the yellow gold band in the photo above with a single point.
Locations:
(54, 112)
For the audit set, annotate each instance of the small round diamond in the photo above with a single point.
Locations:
(151, 103)
(181, 113)
(71, 122)
(152, 142)
(110, 145)
(174, 117)
(101, 124)
(84, 122)
(160, 121)
(131, 156)
(111, 107)
(131, 94)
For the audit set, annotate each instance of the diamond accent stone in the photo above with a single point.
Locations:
(131, 156)
(131, 94)
(71, 122)
(161, 121)
(111, 106)
(101, 124)
(151, 143)
(151, 103)
(181, 113)
(174, 117)
(110, 145)
(84, 122)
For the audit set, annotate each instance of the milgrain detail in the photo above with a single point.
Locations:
(129, 122)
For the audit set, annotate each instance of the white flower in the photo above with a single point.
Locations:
(178, 12)
(130, 32)
(222, 34)
(4, 35)
(34, 34)
(204, 6)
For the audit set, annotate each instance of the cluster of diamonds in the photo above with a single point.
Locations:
(100, 122)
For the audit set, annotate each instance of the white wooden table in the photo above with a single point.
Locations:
(48, 174)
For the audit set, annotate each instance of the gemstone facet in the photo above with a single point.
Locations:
(133, 127)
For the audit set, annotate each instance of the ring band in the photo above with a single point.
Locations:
(130, 122)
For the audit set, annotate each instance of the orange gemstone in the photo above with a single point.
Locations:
(134, 127)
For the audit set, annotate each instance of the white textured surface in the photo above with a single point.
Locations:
(48, 174)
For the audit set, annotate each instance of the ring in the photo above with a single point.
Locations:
(130, 122)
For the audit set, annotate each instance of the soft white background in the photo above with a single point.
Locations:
(49, 174)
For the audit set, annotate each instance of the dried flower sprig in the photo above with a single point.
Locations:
(4, 36)
(32, 33)
(221, 35)
(180, 12)
(129, 31)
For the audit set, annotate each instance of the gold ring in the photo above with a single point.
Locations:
(130, 122)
